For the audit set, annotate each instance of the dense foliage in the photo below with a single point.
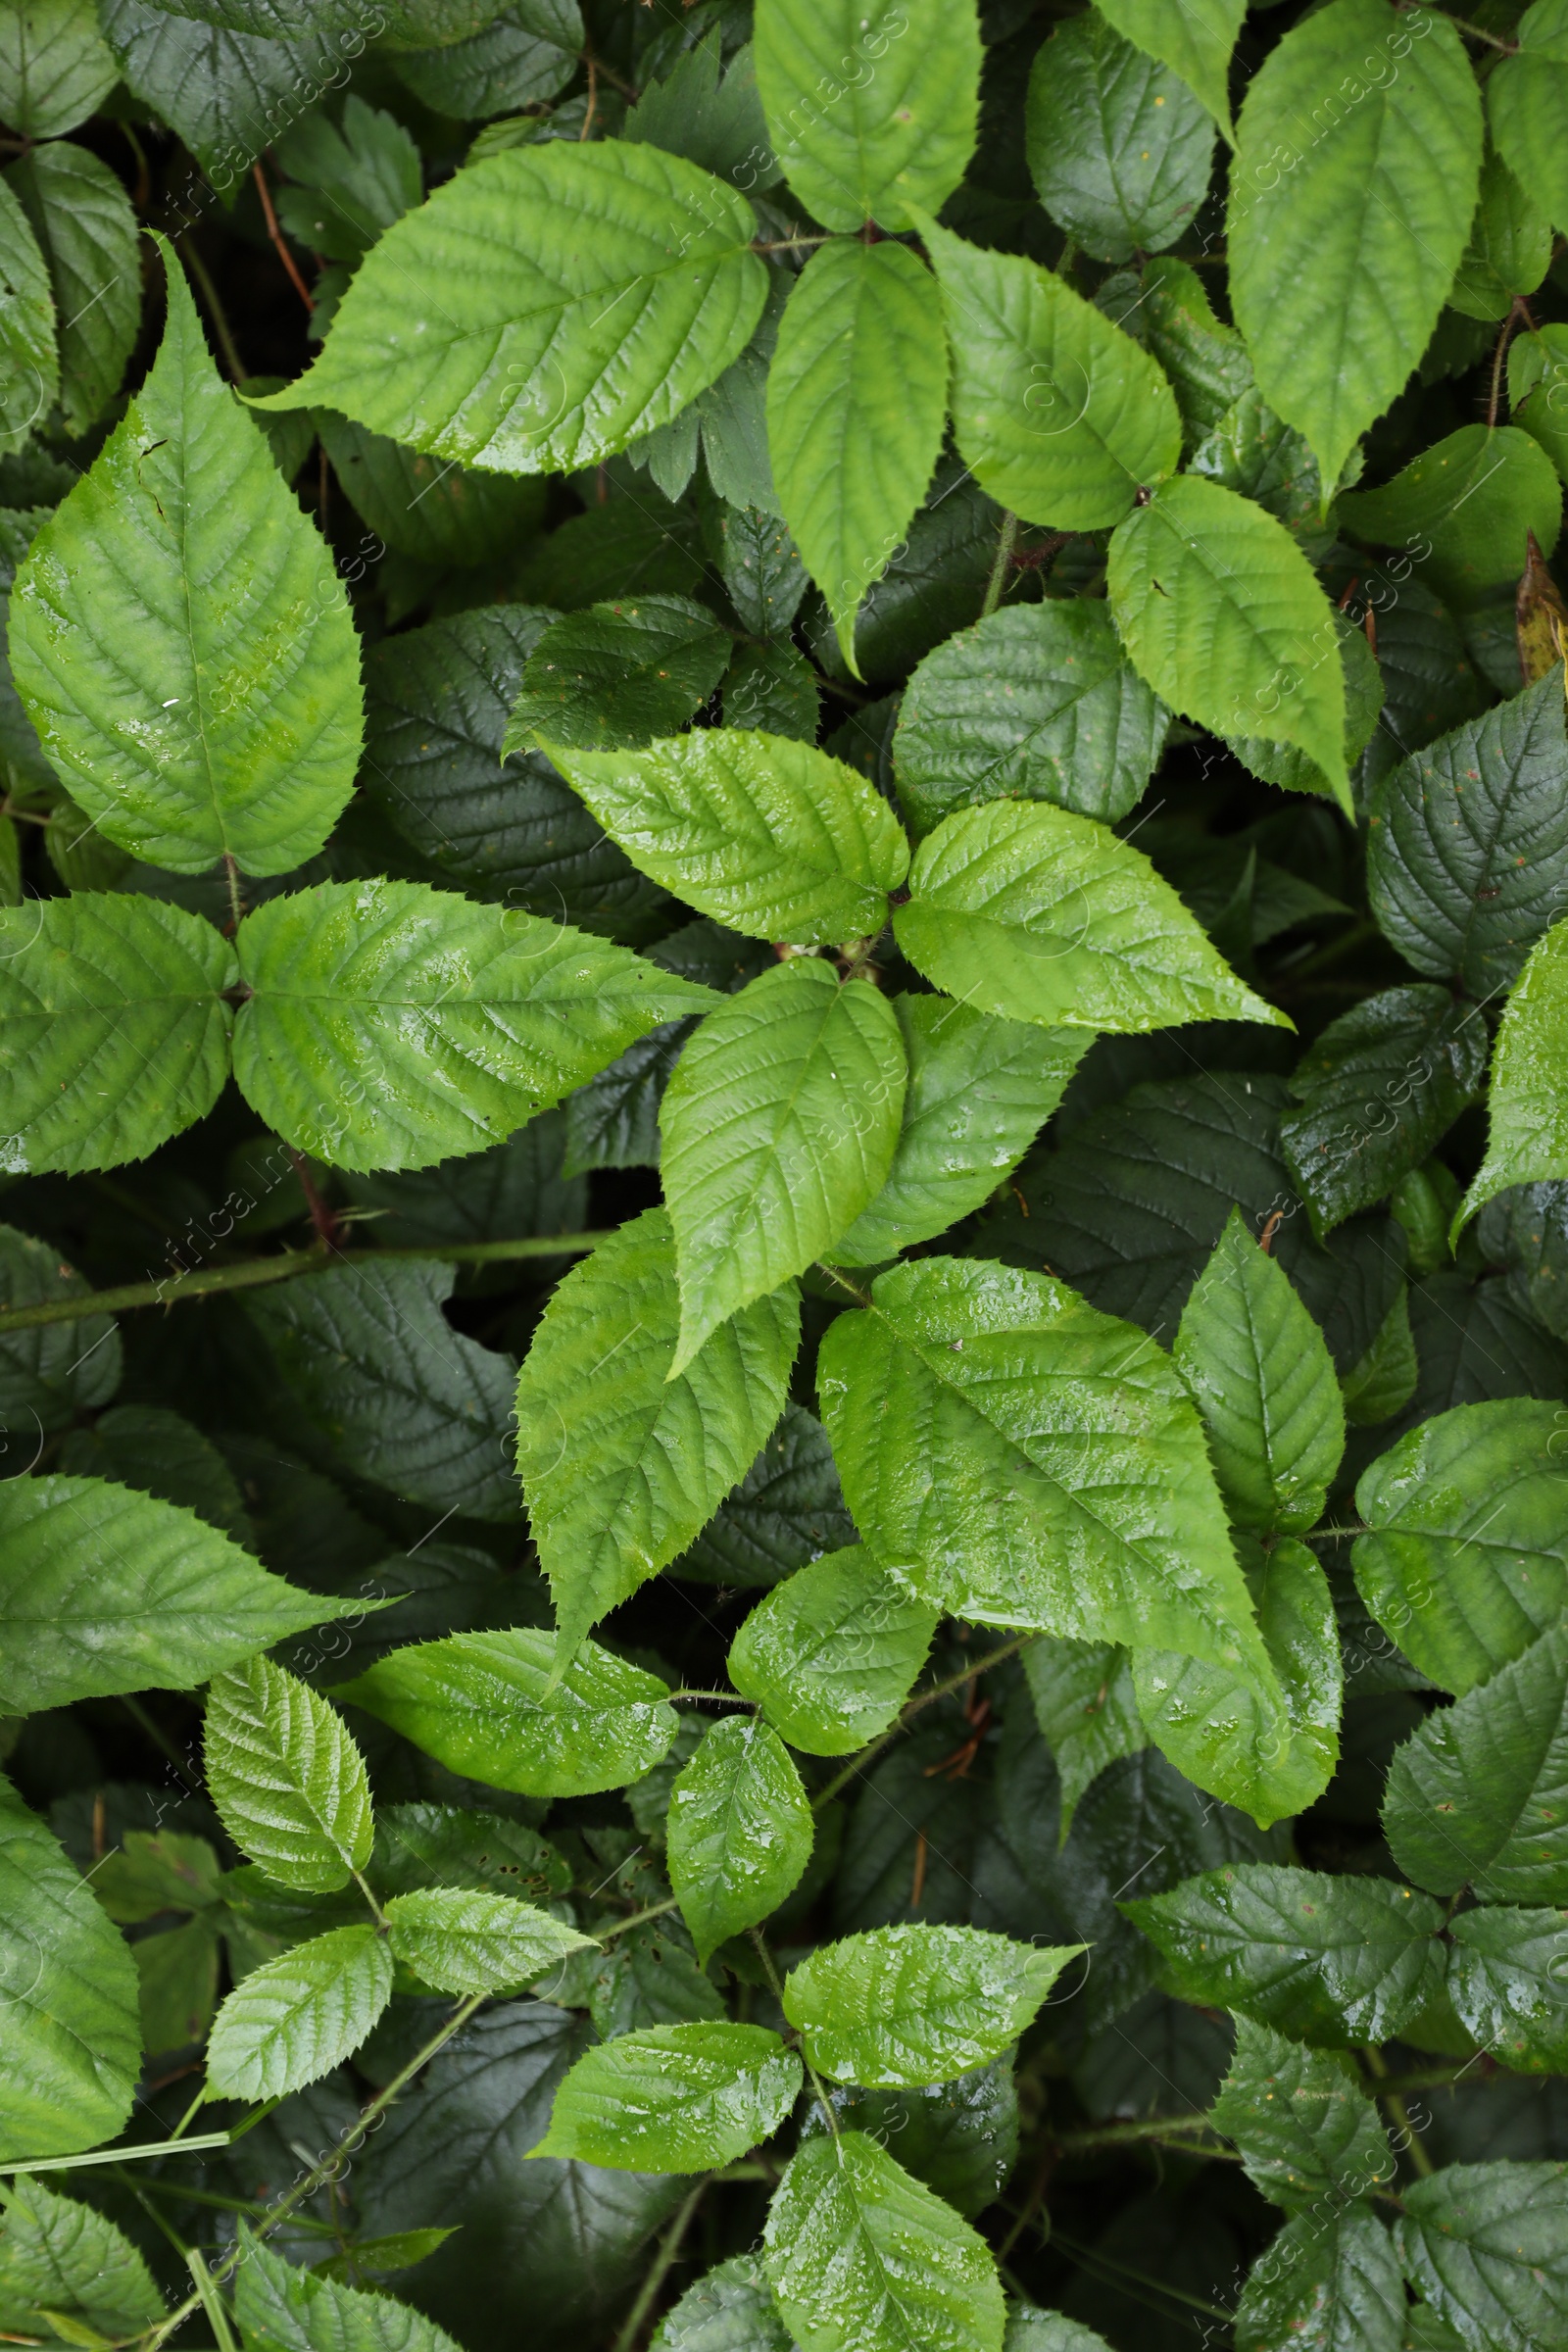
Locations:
(784, 1121)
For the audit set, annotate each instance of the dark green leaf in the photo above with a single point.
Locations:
(787, 1511)
(1119, 148)
(1508, 1981)
(618, 674)
(1487, 2245)
(1327, 2284)
(86, 232)
(59, 2255)
(1305, 2129)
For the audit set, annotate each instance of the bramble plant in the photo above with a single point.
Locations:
(784, 1114)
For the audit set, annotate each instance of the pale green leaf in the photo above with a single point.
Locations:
(281, 2309)
(1119, 148)
(1224, 617)
(180, 638)
(869, 110)
(674, 2098)
(771, 837)
(1194, 37)
(1527, 1137)
(779, 1127)
(1508, 1981)
(465, 1942)
(545, 308)
(621, 1466)
(1086, 1708)
(1487, 2245)
(1031, 911)
(391, 1025)
(115, 1030)
(289, 1780)
(618, 674)
(86, 232)
(1467, 506)
(58, 2255)
(54, 67)
(911, 2005)
(29, 363)
(1030, 2330)
(730, 2309)
(831, 1653)
(297, 2017)
(1358, 156)
(1329, 2283)
(104, 1590)
(740, 1831)
(856, 401)
(1305, 2127)
(1058, 414)
(492, 1706)
(1526, 108)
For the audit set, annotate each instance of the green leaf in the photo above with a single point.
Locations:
(1222, 613)
(86, 232)
(58, 1371)
(1306, 2129)
(563, 299)
(491, 1705)
(1281, 763)
(774, 689)
(1331, 1961)
(618, 674)
(1195, 41)
(1021, 1459)
(391, 1025)
(1264, 1382)
(153, 1870)
(202, 698)
(295, 2018)
(770, 837)
(1527, 1136)
(1509, 247)
(979, 1091)
(1121, 151)
(1508, 1981)
(68, 2000)
(856, 401)
(222, 89)
(673, 2099)
(117, 1027)
(1467, 506)
(447, 1846)
(832, 1653)
(862, 2259)
(621, 1466)
(1036, 703)
(160, 1453)
(1327, 2284)
(1487, 2245)
(869, 113)
(1382, 1381)
(729, 2310)
(918, 2004)
(1478, 1794)
(465, 1942)
(415, 503)
(787, 1511)
(286, 1778)
(30, 361)
(54, 67)
(1466, 1556)
(395, 1393)
(1358, 156)
(779, 1127)
(1085, 1707)
(764, 578)
(1379, 1090)
(103, 1590)
(60, 2256)
(281, 2309)
(1033, 2330)
(1526, 108)
(740, 1831)
(1205, 360)
(718, 123)
(1041, 916)
(178, 1969)
(1059, 415)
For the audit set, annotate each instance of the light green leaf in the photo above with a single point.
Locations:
(1358, 156)
(1265, 1381)
(1327, 2284)
(1087, 1712)
(116, 1033)
(391, 1025)
(289, 1780)
(281, 2309)
(1036, 703)
(673, 2099)
(54, 66)
(104, 1590)
(1527, 1137)
(731, 2309)
(779, 1127)
(1509, 247)
(67, 1999)
(740, 1831)
(864, 2259)
(1018, 1458)
(1306, 2129)
(1331, 1961)
(180, 638)
(1279, 762)
(29, 363)
(295, 2018)
(1508, 1981)
(1030, 2330)
(1526, 108)
(618, 674)
(1028, 910)
(831, 1653)
(1059, 415)
(911, 2005)
(1466, 1557)
(1119, 149)
(769, 836)
(463, 1941)
(58, 2255)
(1194, 37)
(622, 1467)
(1466, 507)
(492, 1706)
(1478, 1794)
(86, 232)
(1224, 617)
(869, 111)
(1487, 2245)
(856, 401)
(561, 299)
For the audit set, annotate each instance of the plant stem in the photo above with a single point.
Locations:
(668, 2247)
(1127, 2136)
(777, 1991)
(654, 1911)
(225, 341)
(276, 235)
(252, 1273)
(912, 1707)
(109, 2156)
(1006, 541)
(211, 2300)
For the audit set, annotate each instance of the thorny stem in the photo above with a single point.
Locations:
(236, 902)
(1006, 541)
(1476, 33)
(912, 1708)
(670, 2247)
(276, 235)
(328, 1230)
